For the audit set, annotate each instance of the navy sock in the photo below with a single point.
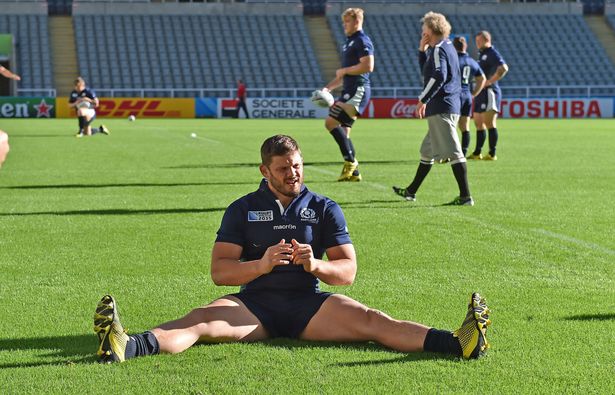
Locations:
(460, 170)
(339, 134)
(465, 142)
(142, 344)
(493, 140)
(81, 123)
(481, 136)
(421, 173)
(442, 341)
(354, 153)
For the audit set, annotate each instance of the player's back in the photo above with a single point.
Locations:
(468, 68)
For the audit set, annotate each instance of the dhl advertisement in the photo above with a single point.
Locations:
(139, 107)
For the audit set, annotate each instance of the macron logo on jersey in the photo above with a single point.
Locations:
(260, 216)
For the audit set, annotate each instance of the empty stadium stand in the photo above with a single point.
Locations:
(195, 51)
(31, 36)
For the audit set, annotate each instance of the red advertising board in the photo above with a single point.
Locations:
(557, 108)
(390, 108)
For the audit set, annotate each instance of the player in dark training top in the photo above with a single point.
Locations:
(440, 104)
(470, 70)
(357, 63)
(271, 243)
(85, 101)
(487, 103)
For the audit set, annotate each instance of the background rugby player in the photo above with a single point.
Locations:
(85, 101)
(469, 70)
(357, 63)
(487, 103)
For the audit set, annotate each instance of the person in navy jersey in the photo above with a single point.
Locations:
(353, 76)
(271, 243)
(469, 70)
(85, 101)
(440, 104)
(487, 103)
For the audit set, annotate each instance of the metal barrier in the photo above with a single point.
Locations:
(386, 92)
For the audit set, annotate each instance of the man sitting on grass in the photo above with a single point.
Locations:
(271, 243)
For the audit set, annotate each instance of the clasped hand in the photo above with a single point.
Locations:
(289, 253)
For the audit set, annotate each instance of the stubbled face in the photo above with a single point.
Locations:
(351, 25)
(285, 174)
(480, 42)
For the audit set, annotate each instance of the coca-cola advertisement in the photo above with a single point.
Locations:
(390, 108)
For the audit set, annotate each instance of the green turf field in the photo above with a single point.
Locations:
(135, 214)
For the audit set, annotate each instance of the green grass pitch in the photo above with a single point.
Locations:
(135, 214)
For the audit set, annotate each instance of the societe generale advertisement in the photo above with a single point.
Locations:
(139, 107)
(274, 107)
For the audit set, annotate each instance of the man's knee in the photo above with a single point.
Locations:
(373, 322)
(331, 123)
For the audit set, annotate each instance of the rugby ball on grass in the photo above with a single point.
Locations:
(322, 98)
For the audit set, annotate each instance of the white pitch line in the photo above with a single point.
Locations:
(570, 239)
(330, 173)
(197, 137)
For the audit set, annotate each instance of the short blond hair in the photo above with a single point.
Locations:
(485, 35)
(437, 23)
(354, 13)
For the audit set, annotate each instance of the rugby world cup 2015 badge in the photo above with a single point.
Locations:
(308, 215)
(260, 216)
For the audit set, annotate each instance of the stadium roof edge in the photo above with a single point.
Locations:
(569, 8)
(187, 9)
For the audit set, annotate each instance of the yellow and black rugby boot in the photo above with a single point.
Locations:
(347, 170)
(472, 334)
(111, 335)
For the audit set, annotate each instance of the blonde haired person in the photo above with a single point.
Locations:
(85, 101)
(357, 64)
(440, 104)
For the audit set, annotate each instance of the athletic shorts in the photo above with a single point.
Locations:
(357, 97)
(466, 104)
(90, 113)
(488, 99)
(441, 142)
(283, 313)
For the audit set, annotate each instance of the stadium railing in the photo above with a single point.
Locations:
(50, 92)
(509, 91)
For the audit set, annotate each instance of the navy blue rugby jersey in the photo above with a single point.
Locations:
(489, 59)
(257, 221)
(441, 79)
(468, 68)
(357, 46)
(87, 92)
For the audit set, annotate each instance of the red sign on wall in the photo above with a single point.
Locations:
(390, 108)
